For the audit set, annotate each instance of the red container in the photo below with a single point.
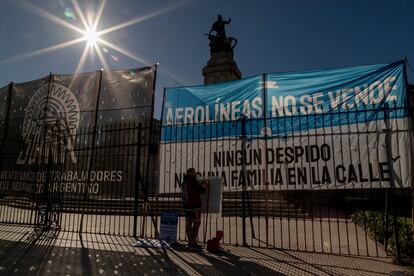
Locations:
(213, 245)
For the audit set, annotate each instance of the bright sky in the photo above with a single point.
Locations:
(273, 35)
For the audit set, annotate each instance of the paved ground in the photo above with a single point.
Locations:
(323, 235)
(91, 254)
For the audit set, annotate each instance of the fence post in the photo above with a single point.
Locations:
(392, 182)
(90, 155)
(410, 103)
(147, 161)
(4, 140)
(138, 179)
(6, 126)
(45, 159)
(266, 180)
(243, 130)
(386, 220)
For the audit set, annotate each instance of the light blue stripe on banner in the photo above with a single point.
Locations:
(294, 102)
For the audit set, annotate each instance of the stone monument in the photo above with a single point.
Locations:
(221, 67)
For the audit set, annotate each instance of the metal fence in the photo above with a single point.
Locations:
(340, 219)
(101, 193)
(75, 149)
(112, 190)
(308, 220)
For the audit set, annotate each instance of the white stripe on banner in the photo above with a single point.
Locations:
(334, 160)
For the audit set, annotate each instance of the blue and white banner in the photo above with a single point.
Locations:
(321, 129)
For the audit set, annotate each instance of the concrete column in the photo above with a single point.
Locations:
(221, 68)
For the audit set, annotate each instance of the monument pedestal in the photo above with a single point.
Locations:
(221, 68)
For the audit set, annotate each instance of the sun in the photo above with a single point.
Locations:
(89, 33)
(91, 36)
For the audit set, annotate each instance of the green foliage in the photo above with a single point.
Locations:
(374, 223)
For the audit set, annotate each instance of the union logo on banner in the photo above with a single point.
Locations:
(49, 127)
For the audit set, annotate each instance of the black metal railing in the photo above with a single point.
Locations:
(105, 192)
(318, 205)
(108, 190)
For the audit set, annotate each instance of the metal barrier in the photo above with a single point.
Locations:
(281, 214)
(74, 150)
(111, 188)
(100, 198)
(125, 202)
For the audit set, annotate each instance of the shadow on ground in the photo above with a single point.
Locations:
(66, 253)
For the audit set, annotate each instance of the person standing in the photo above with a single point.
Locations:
(191, 190)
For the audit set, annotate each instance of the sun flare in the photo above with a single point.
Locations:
(88, 33)
(91, 36)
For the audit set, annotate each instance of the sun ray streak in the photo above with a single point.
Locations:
(45, 50)
(124, 51)
(178, 80)
(80, 65)
(82, 60)
(79, 11)
(47, 15)
(142, 18)
(99, 14)
(101, 57)
(90, 22)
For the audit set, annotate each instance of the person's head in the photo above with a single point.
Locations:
(219, 18)
(191, 172)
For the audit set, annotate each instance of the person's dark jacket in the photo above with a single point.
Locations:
(191, 190)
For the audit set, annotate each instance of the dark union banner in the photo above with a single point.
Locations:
(76, 134)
